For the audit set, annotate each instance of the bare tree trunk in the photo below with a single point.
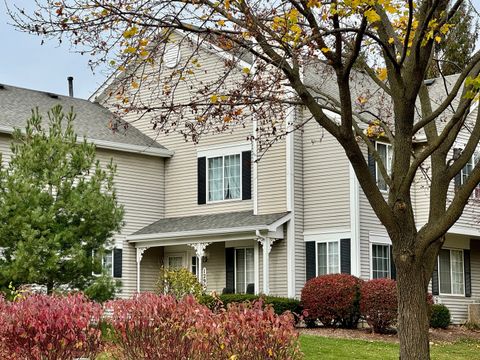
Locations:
(413, 321)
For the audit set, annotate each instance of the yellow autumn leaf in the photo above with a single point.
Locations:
(130, 50)
(127, 34)
(438, 39)
(221, 22)
(143, 42)
(135, 84)
(325, 50)
(246, 70)
(382, 74)
(372, 16)
(214, 99)
(391, 40)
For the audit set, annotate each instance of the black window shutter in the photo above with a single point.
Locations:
(230, 270)
(345, 256)
(468, 275)
(310, 260)
(393, 269)
(246, 175)
(435, 278)
(117, 262)
(202, 180)
(458, 177)
(371, 162)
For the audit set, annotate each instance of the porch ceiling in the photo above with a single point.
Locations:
(222, 226)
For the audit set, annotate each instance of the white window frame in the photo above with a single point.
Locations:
(372, 244)
(451, 267)
(223, 178)
(328, 264)
(387, 164)
(103, 262)
(183, 255)
(471, 161)
(222, 151)
(254, 269)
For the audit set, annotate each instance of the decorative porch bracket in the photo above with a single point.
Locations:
(266, 243)
(200, 252)
(140, 251)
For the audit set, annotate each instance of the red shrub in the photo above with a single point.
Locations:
(50, 327)
(161, 327)
(332, 299)
(378, 303)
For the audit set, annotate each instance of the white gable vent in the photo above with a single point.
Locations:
(171, 57)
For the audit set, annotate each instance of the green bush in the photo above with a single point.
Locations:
(440, 317)
(279, 304)
(178, 283)
(102, 289)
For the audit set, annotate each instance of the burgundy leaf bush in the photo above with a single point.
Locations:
(378, 303)
(162, 327)
(49, 327)
(333, 299)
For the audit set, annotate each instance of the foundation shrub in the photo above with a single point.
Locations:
(333, 299)
(440, 316)
(378, 303)
(178, 283)
(50, 327)
(163, 327)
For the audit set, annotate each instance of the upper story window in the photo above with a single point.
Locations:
(467, 170)
(224, 173)
(386, 154)
(224, 181)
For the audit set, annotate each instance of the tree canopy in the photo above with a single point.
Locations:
(312, 54)
(57, 206)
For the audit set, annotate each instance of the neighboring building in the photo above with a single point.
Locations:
(246, 226)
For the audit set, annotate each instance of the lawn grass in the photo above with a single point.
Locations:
(317, 347)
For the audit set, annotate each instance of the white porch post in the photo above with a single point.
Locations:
(140, 251)
(200, 252)
(266, 247)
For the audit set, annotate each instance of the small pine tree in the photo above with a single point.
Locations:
(57, 206)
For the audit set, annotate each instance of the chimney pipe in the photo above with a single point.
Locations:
(70, 86)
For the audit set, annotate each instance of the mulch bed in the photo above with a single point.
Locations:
(449, 335)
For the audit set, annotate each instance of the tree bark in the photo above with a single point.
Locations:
(413, 321)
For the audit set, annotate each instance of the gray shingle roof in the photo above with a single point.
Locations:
(230, 220)
(91, 120)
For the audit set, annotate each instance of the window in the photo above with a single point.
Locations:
(467, 170)
(450, 272)
(175, 262)
(224, 180)
(380, 261)
(106, 262)
(385, 152)
(328, 258)
(244, 269)
(195, 266)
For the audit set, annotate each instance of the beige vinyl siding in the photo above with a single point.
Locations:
(5, 141)
(278, 268)
(326, 181)
(140, 185)
(298, 212)
(272, 177)
(150, 266)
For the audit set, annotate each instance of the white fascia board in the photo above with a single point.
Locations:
(464, 230)
(224, 149)
(193, 233)
(111, 145)
(273, 226)
(379, 238)
(327, 236)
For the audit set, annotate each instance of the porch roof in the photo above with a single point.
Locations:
(198, 225)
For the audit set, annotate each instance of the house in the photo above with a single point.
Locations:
(268, 226)
(243, 225)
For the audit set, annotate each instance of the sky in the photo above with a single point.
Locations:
(24, 62)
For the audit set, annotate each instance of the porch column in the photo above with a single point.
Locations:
(266, 247)
(200, 252)
(140, 251)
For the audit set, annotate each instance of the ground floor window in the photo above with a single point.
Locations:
(451, 272)
(381, 261)
(195, 266)
(328, 258)
(175, 262)
(244, 269)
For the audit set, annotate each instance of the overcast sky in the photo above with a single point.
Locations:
(26, 63)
